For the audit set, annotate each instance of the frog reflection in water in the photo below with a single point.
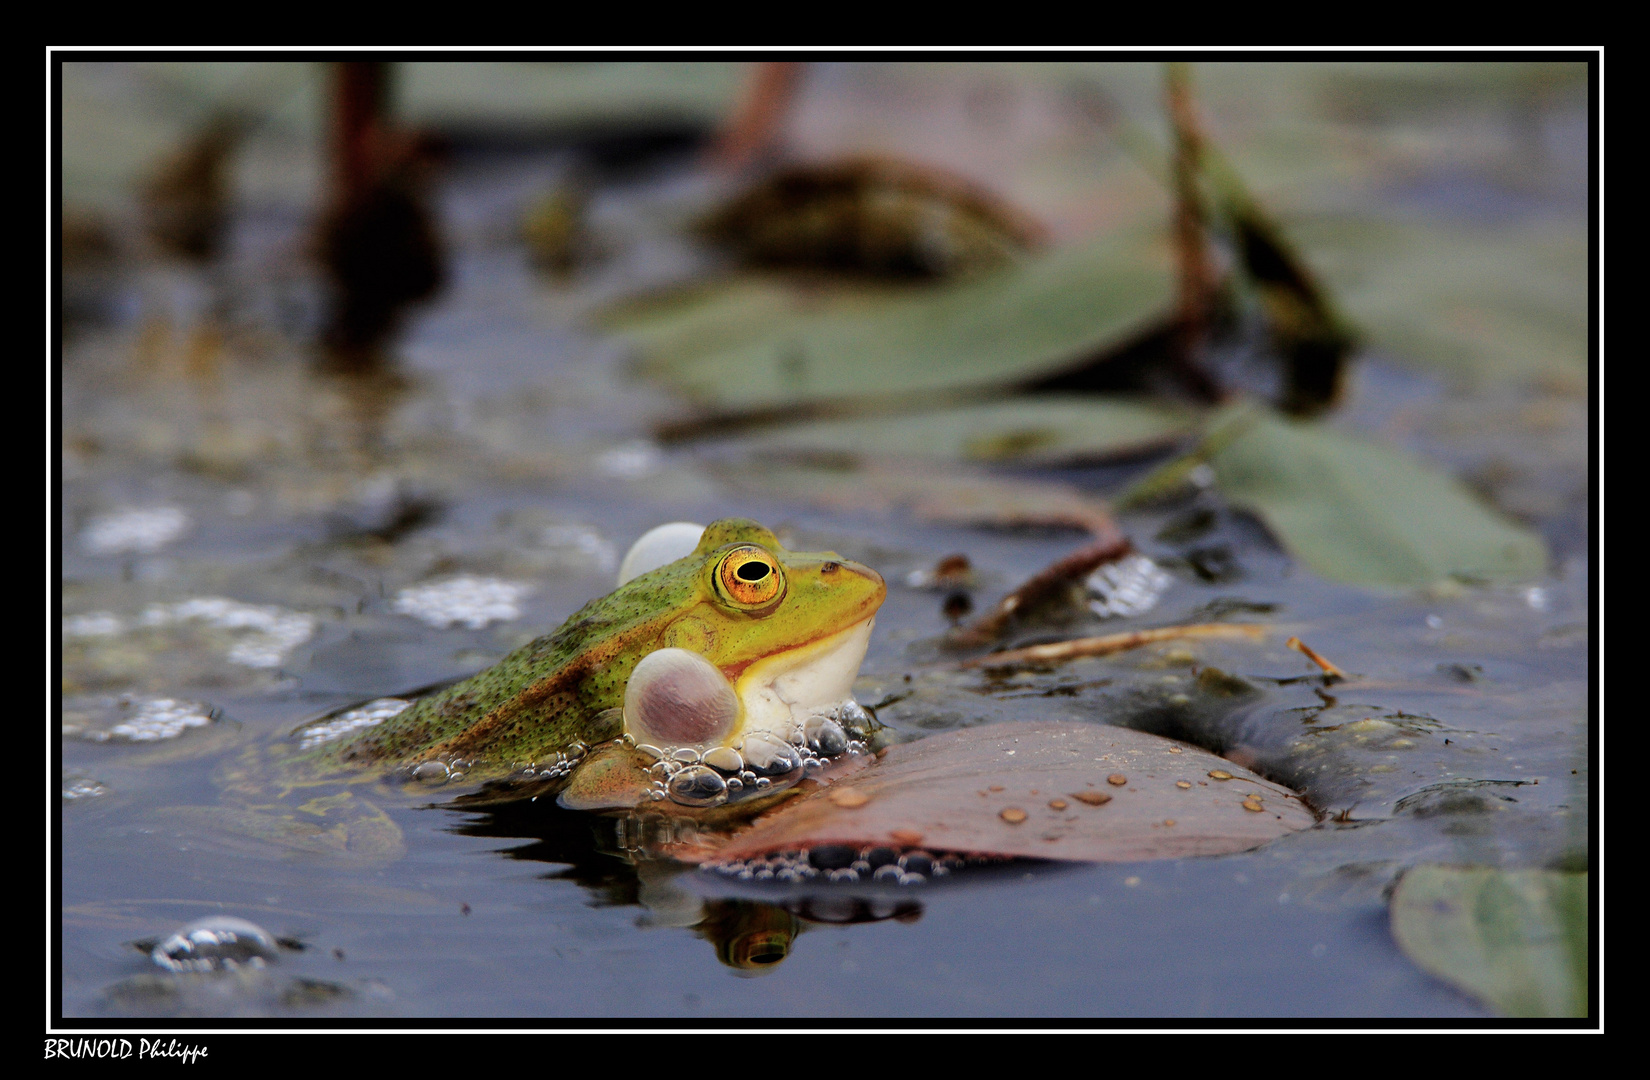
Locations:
(728, 670)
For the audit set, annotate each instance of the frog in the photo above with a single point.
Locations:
(720, 676)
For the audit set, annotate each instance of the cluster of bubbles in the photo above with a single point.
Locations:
(465, 600)
(135, 530)
(219, 943)
(274, 631)
(1129, 586)
(348, 723)
(760, 764)
(134, 719)
(565, 762)
(843, 863)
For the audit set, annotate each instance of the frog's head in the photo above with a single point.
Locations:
(764, 639)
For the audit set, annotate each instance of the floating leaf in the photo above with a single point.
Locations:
(753, 345)
(966, 791)
(1367, 514)
(1515, 939)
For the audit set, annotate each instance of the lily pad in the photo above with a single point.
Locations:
(1051, 790)
(1361, 513)
(752, 345)
(1517, 940)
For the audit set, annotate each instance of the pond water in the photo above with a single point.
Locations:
(243, 544)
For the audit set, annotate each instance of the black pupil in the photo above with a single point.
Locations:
(752, 571)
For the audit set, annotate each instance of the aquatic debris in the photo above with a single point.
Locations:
(465, 600)
(1316, 657)
(951, 572)
(1049, 584)
(1111, 643)
(134, 530)
(329, 729)
(217, 943)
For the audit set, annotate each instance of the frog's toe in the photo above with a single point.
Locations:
(678, 698)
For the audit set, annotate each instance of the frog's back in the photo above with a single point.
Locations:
(542, 698)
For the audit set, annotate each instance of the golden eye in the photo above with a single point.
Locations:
(750, 578)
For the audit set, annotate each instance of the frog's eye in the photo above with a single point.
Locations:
(749, 577)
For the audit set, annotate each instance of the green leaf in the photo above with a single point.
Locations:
(1357, 512)
(1517, 940)
(755, 344)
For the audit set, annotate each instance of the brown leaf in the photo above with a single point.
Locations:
(932, 789)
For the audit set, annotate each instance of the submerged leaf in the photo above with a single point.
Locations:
(1367, 514)
(1515, 939)
(751, 345)
(1049, 790)
(1039, 430)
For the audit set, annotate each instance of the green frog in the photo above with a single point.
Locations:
(718, 677)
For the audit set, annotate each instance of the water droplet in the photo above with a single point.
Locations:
(1219, 774)
(686, 755)
(218, 943)
(1013, 815)
(886, 872)
(1117, 779)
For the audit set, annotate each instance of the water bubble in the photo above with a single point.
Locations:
(831, 856)
(697, 785)
(881, 856)
(82, 787)
(735, 785)
(433, 773)
(912, 879)
(886, 872)
(218, 943)
(854, 719)
(917, 862)
(648, 751)
(724, 759)
(767, 756)
(686, 756)
(827, 737)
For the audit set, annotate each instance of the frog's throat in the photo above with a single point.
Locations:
(781, 691)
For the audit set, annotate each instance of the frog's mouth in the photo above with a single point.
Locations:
(780, 692)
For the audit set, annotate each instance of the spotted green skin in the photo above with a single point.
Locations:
(566, 687)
